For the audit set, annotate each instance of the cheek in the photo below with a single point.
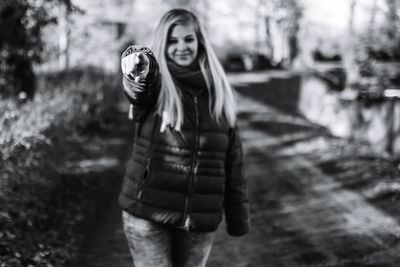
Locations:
(170, 50)
(194, 48)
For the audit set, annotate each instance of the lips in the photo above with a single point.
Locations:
(183, 55)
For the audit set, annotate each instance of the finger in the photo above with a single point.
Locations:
(143, 59)
(125, 69)
(126, 64)
(144, 65)
(130, 62)
(140, 87)
(146, 60)
(139, 57)
(134, 63)
(139, 63)
(122, 65)
(141, 79)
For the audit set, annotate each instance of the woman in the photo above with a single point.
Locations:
(186, 166)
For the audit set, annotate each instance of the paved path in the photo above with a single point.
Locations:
(304, 210)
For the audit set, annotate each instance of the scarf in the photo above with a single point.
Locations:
(188, 78)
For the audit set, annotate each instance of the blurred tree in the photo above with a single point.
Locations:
(282, 20)
(373, 44)
(372, 22)
(382, 37)
(291, 20)
(392, 18)
(64, 34)
(349, 54)
(393, 28)
(21, 24)
(91, 35)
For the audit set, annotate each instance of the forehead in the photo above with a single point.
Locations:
(182, 30)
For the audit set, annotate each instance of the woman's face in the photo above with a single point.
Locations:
(182, 45)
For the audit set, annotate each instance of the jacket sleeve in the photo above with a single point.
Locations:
(142, 98)
(236, 191)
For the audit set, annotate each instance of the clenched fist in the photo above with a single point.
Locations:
(136, 65)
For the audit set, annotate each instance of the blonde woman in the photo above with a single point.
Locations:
(185, 171)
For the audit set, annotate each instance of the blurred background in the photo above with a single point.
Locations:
(334, 65)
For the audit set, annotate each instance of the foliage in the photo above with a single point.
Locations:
(61, 97)
(374, 47)
(21, 44)
(39, 207)
(78, 97)
(383, 39)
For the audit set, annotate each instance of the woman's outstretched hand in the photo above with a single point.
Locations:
(136, 66)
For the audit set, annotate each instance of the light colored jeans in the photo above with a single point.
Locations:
(156, 245)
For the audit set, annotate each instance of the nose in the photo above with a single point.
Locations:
(181, 45)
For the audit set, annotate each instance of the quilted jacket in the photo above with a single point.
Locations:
(187, 179)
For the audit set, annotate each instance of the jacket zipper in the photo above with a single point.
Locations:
(193, 171)
(146, 175)
(145, 178)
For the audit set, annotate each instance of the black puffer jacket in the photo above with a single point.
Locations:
(186, 178)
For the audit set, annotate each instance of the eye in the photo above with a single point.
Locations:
(172, 41)
(189, 39)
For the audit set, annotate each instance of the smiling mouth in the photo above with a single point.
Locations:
(182, 55)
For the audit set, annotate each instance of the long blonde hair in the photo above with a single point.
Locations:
(222, 105)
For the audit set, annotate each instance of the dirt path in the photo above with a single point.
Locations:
(104, 243)
(304, 212)
(302, 216)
